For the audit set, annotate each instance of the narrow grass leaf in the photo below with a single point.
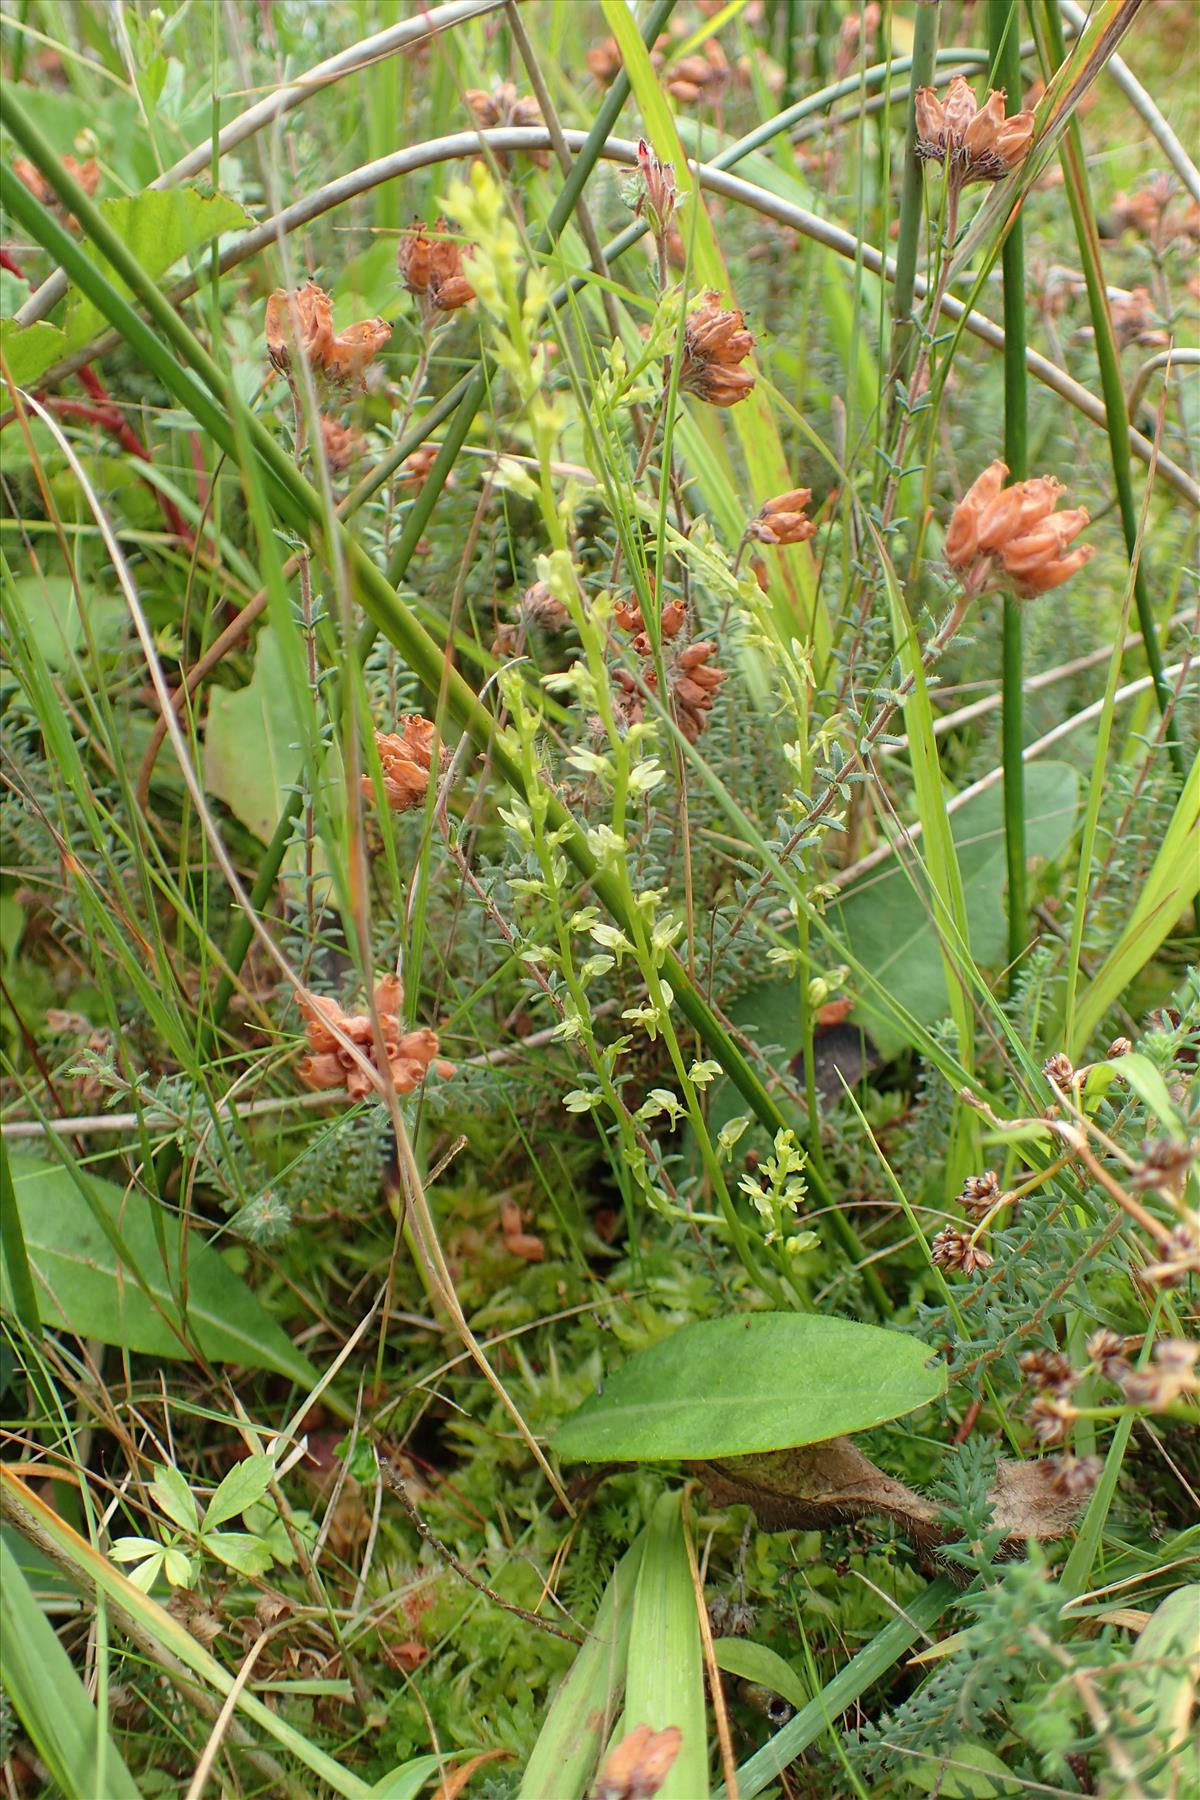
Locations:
(585, 1707)
(50, 1699)
(665, 1683)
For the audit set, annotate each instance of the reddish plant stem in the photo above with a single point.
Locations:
(109, 416)
(9, 262)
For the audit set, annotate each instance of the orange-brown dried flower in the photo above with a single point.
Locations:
(300, 323)
(541, 607)
(342, 444)
(636, 1767)
(1014, 533)
(693, 681)
(977, 143)
(414, 470)
(432, 268)
(87, 174)
(857, 28)
(605, 61)
(782, 520)
(699, 77)
(953, 1249)
(407, 760)
(504, 106)
(330, 1064)
(352, 351)
(671, 620)
(715, 344)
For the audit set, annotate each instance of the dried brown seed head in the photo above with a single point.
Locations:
(980, 1193)
(953, 1249)
(1013, 534)
(1059, 1071)
(976, 143)
(1048, 1370)
(342, 444)
(1120, 1046)
(299, 323)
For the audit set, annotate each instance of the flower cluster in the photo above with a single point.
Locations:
(330, 1064)
(432, 268)
(715, 345)
(953, 1249)
(980, 1193)
(407, 760)
(342, 444)
(504, 106)
(1014, 533)
(657, 198)
(299, 324)
(782, 520)
(692, 677)
(701, 76)
(87, 174)
(976, 143)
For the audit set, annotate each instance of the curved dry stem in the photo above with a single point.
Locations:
(362, 55)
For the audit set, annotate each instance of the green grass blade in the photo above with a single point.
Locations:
(824, 1709)
(588, 1703)
(1083, 213)
(665, 1681)
(1171, 884)
(50, 1699)
(1003, 30)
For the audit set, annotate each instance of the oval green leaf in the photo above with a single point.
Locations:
(733, 1387)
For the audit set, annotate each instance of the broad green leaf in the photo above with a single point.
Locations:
(160, 228)
(134, 1549)
(175, 1498)
(245, 1483)
(1161, 1689)
(665, 1680)
(251, 756)
(888, 925)
(735, 1386)
(248, 1555)
(765, 1667)
(81, 1288)
(50, 1699)
(251, 753)
(29, 350)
